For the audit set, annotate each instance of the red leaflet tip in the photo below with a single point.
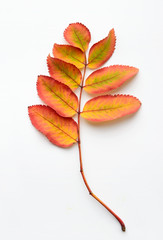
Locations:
(136, 70)
(112, 30)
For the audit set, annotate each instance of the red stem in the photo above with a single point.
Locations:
(80, 156)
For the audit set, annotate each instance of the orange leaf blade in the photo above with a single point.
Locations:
(108, 107)
(78, 35)
(57, 95)
(69, 54)
(60, 131)
(101, 51)
(108, 78)
(64, 72)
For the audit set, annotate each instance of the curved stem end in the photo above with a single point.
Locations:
(123, 227)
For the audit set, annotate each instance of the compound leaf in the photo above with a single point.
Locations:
(57, 95)
(78, 35)
(108, 78)
(69, 54)
(59, 130)
(101, 51)
(108, 107)
(64, 72)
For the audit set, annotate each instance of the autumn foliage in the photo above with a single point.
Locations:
(54, 119)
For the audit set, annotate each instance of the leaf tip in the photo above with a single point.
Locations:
(112, 31)
(136, 70)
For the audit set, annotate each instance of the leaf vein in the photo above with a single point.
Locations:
(55, 126)
(102, 80)
(58, 96)
(61, 69)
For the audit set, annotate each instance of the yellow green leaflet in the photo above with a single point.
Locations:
(108, 78)
(101, 51)
(108, 107)
(69, 54)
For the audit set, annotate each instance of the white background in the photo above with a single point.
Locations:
(42, 195)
